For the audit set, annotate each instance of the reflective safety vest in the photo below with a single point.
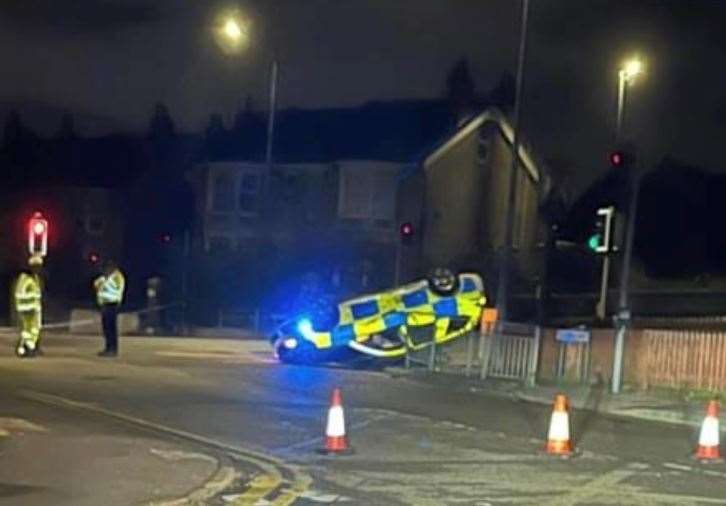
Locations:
(27, 293)
(110, 289)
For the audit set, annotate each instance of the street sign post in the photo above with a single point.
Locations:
(572, 336)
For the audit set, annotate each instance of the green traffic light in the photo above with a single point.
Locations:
(594, 242)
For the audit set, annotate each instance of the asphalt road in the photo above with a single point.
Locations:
(201, 421)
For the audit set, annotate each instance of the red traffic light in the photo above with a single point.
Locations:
(616, 159)
(37, 235)
(38, 227)
(406, 229)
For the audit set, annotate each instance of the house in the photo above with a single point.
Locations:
(457, 200)
(254, 226)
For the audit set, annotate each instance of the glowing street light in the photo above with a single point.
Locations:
(232, 32)
(631, 69)
(626, 75)
(232, 29)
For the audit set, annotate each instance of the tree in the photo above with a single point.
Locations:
(20, 142)
(248, 131)
(503, 94)
(216, 136)
(161, 126)
(460, 89)
(215, 128)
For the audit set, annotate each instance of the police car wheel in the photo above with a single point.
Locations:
(443, 281)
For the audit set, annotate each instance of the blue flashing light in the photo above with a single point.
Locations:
(305, 327)
(290, 343)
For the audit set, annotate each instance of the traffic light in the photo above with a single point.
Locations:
(621, 158)
(94, 258)
(602, 238)
(406, 232)
(38, 235)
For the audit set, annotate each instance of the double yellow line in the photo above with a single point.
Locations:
(277, 482)
(274, 489)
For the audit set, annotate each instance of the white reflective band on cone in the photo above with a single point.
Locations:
(559, 427)
(336, 422)
(709, 432)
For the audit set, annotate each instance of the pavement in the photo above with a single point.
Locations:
(663, 405)
(202, 421)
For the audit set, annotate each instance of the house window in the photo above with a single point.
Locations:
(223, 194)
(249, 191)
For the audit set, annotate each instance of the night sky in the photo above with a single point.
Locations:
(109, 61)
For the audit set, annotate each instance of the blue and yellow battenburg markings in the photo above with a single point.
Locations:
(407, 306)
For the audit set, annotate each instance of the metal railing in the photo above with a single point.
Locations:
(511, 353)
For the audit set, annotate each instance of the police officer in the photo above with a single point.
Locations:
(28, 293)
(109, 295)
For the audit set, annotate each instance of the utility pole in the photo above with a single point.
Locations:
(503, 284)
(271, 117)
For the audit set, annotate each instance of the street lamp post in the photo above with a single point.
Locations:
(626, 75)
(271, 116)
(233, 36)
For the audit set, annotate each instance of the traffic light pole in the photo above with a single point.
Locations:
(623, 318)
(601, 308)
(397, 268)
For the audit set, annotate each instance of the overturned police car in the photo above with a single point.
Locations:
(385, 325)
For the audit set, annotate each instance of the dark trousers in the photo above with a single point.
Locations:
(110, 330)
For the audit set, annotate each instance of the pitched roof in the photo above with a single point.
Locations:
(495, 116)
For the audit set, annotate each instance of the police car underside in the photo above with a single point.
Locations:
(386, 325)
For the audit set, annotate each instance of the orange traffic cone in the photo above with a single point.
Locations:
(335, 438)
(708, 440)
(558, 438)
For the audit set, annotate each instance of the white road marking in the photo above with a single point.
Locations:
(678, 467)
(317, 496)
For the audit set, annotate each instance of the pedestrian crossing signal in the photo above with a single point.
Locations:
(38, 235)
